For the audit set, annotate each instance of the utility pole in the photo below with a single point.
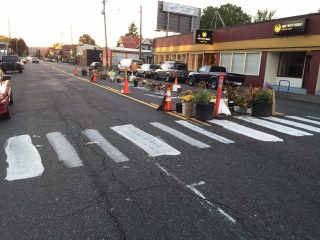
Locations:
(9, 47)
(140, 55)
(105, 31)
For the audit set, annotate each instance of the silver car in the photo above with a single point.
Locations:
(147, 70)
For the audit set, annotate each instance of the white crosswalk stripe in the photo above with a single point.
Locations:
(304, 120)
(180, 135)
(65, 151)
(295, 124)
(204, 132)
(317, 118)
(150, 144)
(107, 147)
(249, 132)
(275, 126)
(23, 158)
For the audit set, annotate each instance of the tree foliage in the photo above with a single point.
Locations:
(264, 15)
(57, 46)
(19, 46)
(132, 30)
(230, 14)
(86, 39)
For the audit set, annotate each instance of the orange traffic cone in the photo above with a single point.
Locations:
(125, 89)
(167, 101)
(175, 86)
(176, 81)
(75, 71)
(93, 77)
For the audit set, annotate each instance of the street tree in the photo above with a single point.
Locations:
(19, 46)
(231, 15)
(264, 15)
(132, 30)
(86, 39)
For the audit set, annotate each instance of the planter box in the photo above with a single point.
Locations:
(241, 110)
(261, 109)
(187, 109)
(204, 112)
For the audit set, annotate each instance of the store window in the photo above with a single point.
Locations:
(291, 64)
(226, 61)
(238, 63)
(252, 64)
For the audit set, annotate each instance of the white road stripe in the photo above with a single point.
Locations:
(181, 136)
(295, 124)
(150, 144)
(95, 137)
(313, 117)
(275, 126)
(65, 151)
(204, 132)
(304, 119)
(23, 158)
(249, 132)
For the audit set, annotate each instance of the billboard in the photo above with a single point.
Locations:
(177, 18)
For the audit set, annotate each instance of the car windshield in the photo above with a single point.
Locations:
(9, 58)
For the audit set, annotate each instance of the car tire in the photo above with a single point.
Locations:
(7, 114)
(144, 74)
(136, 74)
(119, 71)
(214, 83)
(191, 81)
(167, 78)
(11, 98)
(20, 70)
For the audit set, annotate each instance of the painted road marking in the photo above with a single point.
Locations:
(95, 137)
(204, 132)
(275, 126)
(304, 119)
(317, 118)
(65, 151)
(295, 124)
(181, 136)
(150, 144)
(23, 158)
(249, 132)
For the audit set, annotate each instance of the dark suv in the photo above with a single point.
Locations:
(11, 63)
(170, 70)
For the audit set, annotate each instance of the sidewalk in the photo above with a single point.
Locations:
(315, 99)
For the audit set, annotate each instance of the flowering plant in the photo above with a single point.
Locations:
(187, 97)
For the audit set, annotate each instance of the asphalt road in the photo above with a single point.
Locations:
(79, 160)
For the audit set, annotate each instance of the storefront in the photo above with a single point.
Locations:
(284, 49)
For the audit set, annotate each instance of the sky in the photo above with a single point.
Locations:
(44, 22)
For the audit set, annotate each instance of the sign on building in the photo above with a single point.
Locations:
(203, 37)
(290, 27)
(177, 18)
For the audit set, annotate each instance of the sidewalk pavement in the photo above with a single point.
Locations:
(315, 99)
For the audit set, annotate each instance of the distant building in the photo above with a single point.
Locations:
(86, 54)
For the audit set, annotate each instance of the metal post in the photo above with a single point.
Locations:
(105, 32)
(168, 22)
(140, 32)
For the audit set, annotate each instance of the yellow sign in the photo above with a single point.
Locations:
(277, 28)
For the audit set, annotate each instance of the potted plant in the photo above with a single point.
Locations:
(204, 105)
(187, 99)
(84, 71)
(244, 100)
(263, 102)
(103, 74)
(118, 79)
(231, 93)
(135, 81)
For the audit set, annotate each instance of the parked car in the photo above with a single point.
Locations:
(94, 65)
(170, 70)
(11, 63)
(210, 74)
(131, 65)
(35, 60)
(6, 97)
(147, 70)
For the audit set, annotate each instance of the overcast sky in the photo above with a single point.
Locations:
(42, 22)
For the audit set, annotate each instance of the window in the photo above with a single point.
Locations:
(252, 64)
(291, 64)
(238, 63)
(243, 63)
(226, 60)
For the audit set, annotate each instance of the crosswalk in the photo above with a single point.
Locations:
(24, 160)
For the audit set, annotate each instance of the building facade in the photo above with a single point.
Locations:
(285, 51)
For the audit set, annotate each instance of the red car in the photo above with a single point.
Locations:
(5, 96)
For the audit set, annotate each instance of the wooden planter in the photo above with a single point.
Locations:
(187, 109)
(261, 109)
(204, 111)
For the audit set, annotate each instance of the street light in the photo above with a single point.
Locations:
(105, 30)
